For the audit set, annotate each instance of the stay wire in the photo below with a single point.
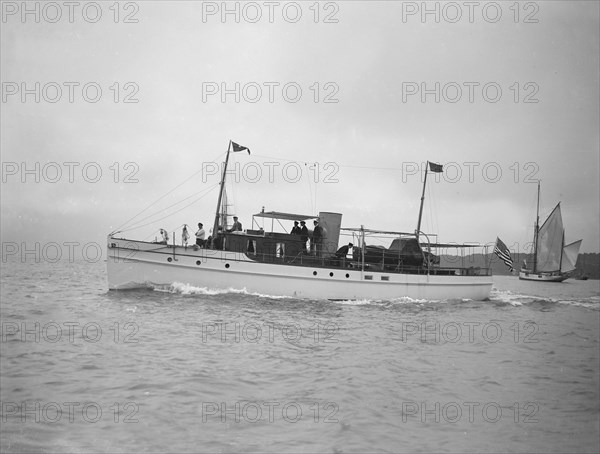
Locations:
(162, 197)
(205, 191)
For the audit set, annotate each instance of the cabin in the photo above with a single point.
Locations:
(277, 247)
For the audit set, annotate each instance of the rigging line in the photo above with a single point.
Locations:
(167, 230)
(431, 206)
(347, 166)
(205, 191)
(170, 214)
(435, 217)
(286, 160)
(312, 207)
(428, 200)
(232, 201)
(164, 217)
(163, 196)
(315, 206)
(277, 159)
(306, 165)
(434, 206)
(372, 167)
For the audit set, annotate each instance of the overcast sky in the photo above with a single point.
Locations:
(339, 103)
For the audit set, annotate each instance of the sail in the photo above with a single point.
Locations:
(569, 256)
(550, 242)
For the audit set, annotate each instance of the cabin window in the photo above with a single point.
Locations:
(368, 277)
(385, 278)
(280, 250)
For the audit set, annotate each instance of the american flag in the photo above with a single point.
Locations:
(502, 251)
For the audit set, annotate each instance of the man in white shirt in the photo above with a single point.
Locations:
(200, 234)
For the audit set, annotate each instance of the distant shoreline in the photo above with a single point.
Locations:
(588, 264)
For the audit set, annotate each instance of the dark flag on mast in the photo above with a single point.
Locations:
(503, 252)
(237, 147)
(438, 168)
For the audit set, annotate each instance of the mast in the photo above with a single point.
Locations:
(536, 229)
(422, 200)
(562, 251)
(216, 224)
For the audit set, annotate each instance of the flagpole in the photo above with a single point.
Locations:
(422, 200)
(216, 224)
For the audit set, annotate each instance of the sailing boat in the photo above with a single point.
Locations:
(553, 261)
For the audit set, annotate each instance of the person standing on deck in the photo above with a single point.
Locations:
(200, 234)
(296, 230)
(185, 236)
(303, 235)
(165, 236)
(317, 239)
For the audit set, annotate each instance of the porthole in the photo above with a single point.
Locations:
(330, 274)
(227, 265)
(314, 273)
(197, 262)
(347, 275)
(169, 259)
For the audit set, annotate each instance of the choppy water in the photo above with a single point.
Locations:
(188, 370)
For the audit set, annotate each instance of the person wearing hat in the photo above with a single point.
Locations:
(303, 235)
(295, 229)
(341, 254)
(343, 251)
(237, 225)
(200, 234)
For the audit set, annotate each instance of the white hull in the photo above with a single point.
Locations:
(135, 264)
(527, 275)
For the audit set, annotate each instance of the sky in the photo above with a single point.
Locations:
(112, 110)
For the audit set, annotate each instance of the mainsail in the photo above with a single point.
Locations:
(550, 243)
(553, 261)
(569, 256)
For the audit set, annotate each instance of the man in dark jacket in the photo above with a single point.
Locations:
(296, 229)
(303, 235)
(343, 251)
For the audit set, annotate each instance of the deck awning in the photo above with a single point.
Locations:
(284, 216)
